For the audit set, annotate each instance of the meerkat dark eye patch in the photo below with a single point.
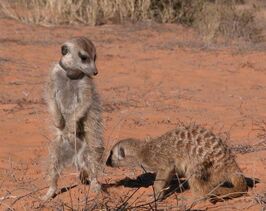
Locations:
(84, 57)
(64, 50)
(109, 160)
(122, 152)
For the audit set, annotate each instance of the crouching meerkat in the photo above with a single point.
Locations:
(189, 151)
(76, 111)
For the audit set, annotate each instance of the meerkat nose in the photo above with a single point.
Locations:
(109, 161)
(95, 72)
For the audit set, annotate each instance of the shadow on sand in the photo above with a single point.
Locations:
(176, 185)
(147, 179)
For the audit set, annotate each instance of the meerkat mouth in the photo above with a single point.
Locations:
(62, 66)
(69, 72)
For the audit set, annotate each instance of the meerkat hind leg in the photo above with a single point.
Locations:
(89, 170)
(238, 187)
(54, 173)
(214, 190)
(60, 156)
(92, 173)
(84, 177)
(86, 180)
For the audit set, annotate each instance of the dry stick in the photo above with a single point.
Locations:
(136, 199)
(180, 185)
(125, 202)
(70, 196)
(28, 194)
(85, 200)
(8, 207)
(122, 198)
(260, 201)
(143, 205)
(251, 205)
(70, 207)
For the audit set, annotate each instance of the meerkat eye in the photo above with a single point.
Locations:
(83, 57)
(122, 152)
(64, 50)
(95, 57)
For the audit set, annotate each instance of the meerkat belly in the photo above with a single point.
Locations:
(67, 100)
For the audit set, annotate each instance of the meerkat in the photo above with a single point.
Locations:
(189, 151)
(76, 111)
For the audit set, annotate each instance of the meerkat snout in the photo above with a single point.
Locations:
(78, 58)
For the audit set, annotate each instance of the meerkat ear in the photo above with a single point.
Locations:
(64, 50)
(122, 152)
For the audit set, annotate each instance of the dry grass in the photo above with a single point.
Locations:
(91, 12)
(212, 18)
(228, 20)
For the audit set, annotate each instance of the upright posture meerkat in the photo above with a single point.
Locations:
(191, 151)
(76, 110)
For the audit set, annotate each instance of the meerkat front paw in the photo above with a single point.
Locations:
(71, 127)
(159, 196)
(95, 186)
(50, 194)
(59, 123)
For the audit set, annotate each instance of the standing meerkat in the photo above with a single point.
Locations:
(188, 151)
(76, 111)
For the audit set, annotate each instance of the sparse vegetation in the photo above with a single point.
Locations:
(151, 80)
(211, 17)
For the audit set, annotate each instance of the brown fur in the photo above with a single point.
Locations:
(191, 151)
(76, 111)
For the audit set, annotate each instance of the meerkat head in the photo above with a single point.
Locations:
(78, 58)
(124, 153)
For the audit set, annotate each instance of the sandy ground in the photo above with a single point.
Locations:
(150, 78)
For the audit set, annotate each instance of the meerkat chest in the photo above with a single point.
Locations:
(68, 96)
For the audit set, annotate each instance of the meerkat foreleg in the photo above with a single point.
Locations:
(162, 180)
(58, 119)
